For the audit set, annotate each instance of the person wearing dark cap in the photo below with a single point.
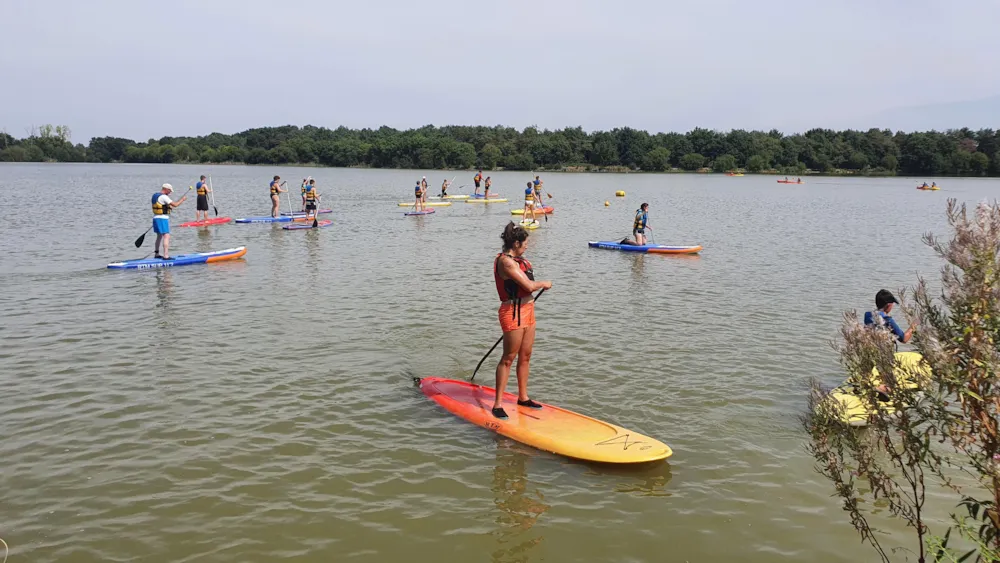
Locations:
(881, 317)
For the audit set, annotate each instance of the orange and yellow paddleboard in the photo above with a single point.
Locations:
(550, 428)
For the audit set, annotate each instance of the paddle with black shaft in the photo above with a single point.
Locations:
(211, 190)
(142, 237)
(497, 344)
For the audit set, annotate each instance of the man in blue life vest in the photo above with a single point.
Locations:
(881, 317)
(162, 206)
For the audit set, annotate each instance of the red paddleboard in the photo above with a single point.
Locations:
(207, 222)
(550, 428)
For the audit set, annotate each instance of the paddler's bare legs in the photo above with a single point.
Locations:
(524, 362)
(511, 347)
(165, 240)
(275, 202)
(516, 344)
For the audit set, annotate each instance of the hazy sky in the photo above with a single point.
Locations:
(140, 69)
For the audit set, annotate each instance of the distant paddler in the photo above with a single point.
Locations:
(477, 179)
(305, 187)
(515, 281)
(418, 194)
(275, 195)
(312, 198)
(529, 204)
(640, 224)
(444, 188)
(202, 189)
(162, 206)
(486, 194)
(423, 189)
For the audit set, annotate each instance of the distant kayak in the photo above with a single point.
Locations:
(307, 225)
(789, 182)
(646, 248)
(929, 188)
(549, 428)
(182, 260)
(547, 210)
(483, 200)
(207, 222)
(424, 212)
(303, 213)
(738, 175)
(428, 204)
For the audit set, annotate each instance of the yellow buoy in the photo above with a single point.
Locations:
(620, 193)
(607, 203)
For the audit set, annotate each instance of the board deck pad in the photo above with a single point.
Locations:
(550, 428)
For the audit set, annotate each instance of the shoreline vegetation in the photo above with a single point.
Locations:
(876, 152)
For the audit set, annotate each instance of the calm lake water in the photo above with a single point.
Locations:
(264, 410)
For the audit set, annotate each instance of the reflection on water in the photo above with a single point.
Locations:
(164, 287)
(519, 507)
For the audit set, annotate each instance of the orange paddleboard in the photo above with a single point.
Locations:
(550, 428)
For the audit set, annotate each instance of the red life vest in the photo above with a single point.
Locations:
(509, 289)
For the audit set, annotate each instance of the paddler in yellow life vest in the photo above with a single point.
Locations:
(276, 192)
(529, 204)
(162, 205)
(477, 179)
(201, 188)
(486, 192)
(305, 186)
(539, 204)
(640, 224)
(312, 198)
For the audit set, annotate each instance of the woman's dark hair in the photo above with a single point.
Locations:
(513, 233)
(276, 177)
(644, 206)
(529, 184)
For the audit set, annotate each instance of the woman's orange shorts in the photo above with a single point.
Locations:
(509, 317)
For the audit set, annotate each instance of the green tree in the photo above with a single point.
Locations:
(890, 163)
(757, 163)
(13, 154)
(979, 164)
(692, 161)
(605, 150)
(724, 163)
(490, 156)
(656, 160)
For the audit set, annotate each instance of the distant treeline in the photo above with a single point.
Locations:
(958, 152)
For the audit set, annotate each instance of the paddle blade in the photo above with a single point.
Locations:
(316, 221)
(216, 210)
(139, 241)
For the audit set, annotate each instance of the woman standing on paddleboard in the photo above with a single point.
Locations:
(275, 195)
(515, 281)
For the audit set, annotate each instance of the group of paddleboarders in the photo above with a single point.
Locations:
(478, 180)
(532, 199)
(310, 196)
